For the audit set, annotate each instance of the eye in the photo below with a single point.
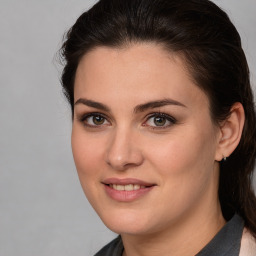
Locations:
(94, 120)
(159, 120)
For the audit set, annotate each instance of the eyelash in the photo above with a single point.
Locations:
(89, 115)
(166, 117)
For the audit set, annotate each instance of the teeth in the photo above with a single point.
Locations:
(136, 187)
(129, 187)
(119, 187)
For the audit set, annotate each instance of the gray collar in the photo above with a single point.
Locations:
(227, 241)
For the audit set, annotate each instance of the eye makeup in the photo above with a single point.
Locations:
(159, 120)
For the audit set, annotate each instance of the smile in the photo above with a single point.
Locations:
(129, 187)
(126, 190)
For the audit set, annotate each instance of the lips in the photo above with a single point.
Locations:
(126, 190)
(129, 187)
(127, 181)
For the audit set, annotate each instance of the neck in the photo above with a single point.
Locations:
(184, 236)
(182, 239)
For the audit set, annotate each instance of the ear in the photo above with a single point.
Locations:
(230, 132)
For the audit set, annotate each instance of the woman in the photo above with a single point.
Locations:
(163, 131)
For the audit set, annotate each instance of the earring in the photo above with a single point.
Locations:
(224, 158)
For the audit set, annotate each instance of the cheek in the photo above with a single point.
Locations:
(173, 154)
(185, 159)
(87, 153)
(185, 165)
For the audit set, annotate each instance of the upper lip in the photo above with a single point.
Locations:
(127, 181)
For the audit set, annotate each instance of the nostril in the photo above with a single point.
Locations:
(123, 153)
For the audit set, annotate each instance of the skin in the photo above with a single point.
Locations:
(181, 214)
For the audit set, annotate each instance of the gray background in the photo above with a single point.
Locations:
(43, 210)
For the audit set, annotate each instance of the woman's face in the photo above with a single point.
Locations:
(143, 141)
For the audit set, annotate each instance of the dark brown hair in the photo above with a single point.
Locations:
(203, 34)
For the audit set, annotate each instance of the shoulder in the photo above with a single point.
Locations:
(248, 244)
(114, 248)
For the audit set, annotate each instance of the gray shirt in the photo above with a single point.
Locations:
(225, 243)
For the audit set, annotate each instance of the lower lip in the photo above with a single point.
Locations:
(126, 196)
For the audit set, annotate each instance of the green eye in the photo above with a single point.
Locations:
(160, 121)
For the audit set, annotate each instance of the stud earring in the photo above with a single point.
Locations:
(224, 158)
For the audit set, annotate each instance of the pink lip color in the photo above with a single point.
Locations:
(127, 181)
(126, 196)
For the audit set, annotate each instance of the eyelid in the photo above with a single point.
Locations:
(83, 117)
(160, 114)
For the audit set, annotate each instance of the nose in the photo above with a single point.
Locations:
(123, 151)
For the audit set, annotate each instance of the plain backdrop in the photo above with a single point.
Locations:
(43, 211)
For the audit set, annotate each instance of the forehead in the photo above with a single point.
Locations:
(141, 71)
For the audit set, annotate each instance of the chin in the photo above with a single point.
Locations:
(127, 223)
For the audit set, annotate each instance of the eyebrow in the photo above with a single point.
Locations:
(157, 104)
(93, 104)
(139, 108)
